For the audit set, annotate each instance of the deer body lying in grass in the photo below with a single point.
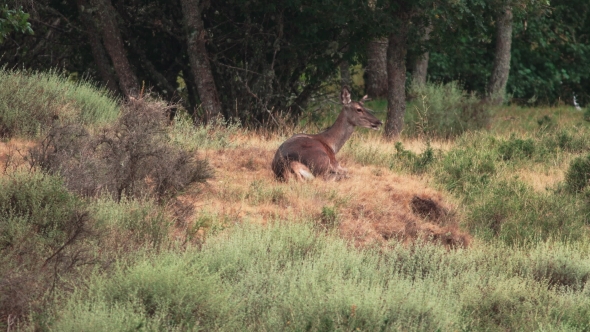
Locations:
(308, 156)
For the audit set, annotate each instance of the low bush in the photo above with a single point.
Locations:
(41, 228)
(129, 224)
(444, 111)
(516, 148)
(464, 169)
(415, 163)
(133, 157)
(577, 177)
(30, 102)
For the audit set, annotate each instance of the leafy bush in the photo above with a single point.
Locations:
(444, 111)
(465, 168)
(131, 158)
(41, 227)
(30, 102)
(516, 148)
(129, 224)
(416, 163)
(578, 174)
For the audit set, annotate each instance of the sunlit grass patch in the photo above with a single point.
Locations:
(31, 101)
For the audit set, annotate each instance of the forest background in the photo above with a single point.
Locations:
(257, 61)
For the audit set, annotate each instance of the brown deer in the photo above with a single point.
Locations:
(308, 156)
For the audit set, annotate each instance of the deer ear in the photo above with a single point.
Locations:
(345, 96)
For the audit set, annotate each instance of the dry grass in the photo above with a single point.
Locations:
(371, 207)
(542, 180)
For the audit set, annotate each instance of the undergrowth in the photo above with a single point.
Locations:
(289, 277)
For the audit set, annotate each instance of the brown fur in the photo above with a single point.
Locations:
(316, 154)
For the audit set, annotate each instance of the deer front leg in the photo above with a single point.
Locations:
(337, 173)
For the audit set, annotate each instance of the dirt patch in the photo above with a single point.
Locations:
(12, 153)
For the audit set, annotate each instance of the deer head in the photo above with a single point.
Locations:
(356, 113)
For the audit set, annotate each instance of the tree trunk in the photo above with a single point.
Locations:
(500, 71)
(376, 71)
(111, 37)
(198, 58)
(396, 82)
(345, 79)
(99, 55)
(421, 65)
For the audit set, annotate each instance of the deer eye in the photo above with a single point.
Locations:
(360, 110)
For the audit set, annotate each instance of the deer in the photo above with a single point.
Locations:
(310, 156)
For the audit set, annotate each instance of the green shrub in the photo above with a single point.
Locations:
(131, 222)
(573, 140)
(35, 203)
(30, 102)
(463, 169)
(172, 293)
(416, 163)
(329, 217)
(546, 123)
(42, 227)
(560, 267)
(578, 174)
(444, 111)
(516, 148)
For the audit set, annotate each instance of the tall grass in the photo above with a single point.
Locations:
(31, 101)
(444, 111)
(214, 135)
(289, 277)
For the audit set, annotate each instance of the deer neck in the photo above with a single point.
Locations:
(338, 133)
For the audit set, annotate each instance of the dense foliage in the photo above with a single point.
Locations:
(548, 46)
(272, 59)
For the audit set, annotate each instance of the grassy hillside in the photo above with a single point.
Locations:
(149, 226)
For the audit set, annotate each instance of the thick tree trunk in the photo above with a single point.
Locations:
(376, 71)
(396, 81)
(497, 85)
(421, 65)
(345, 79)
(101, 59)
(199, 60)
(111, 37)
